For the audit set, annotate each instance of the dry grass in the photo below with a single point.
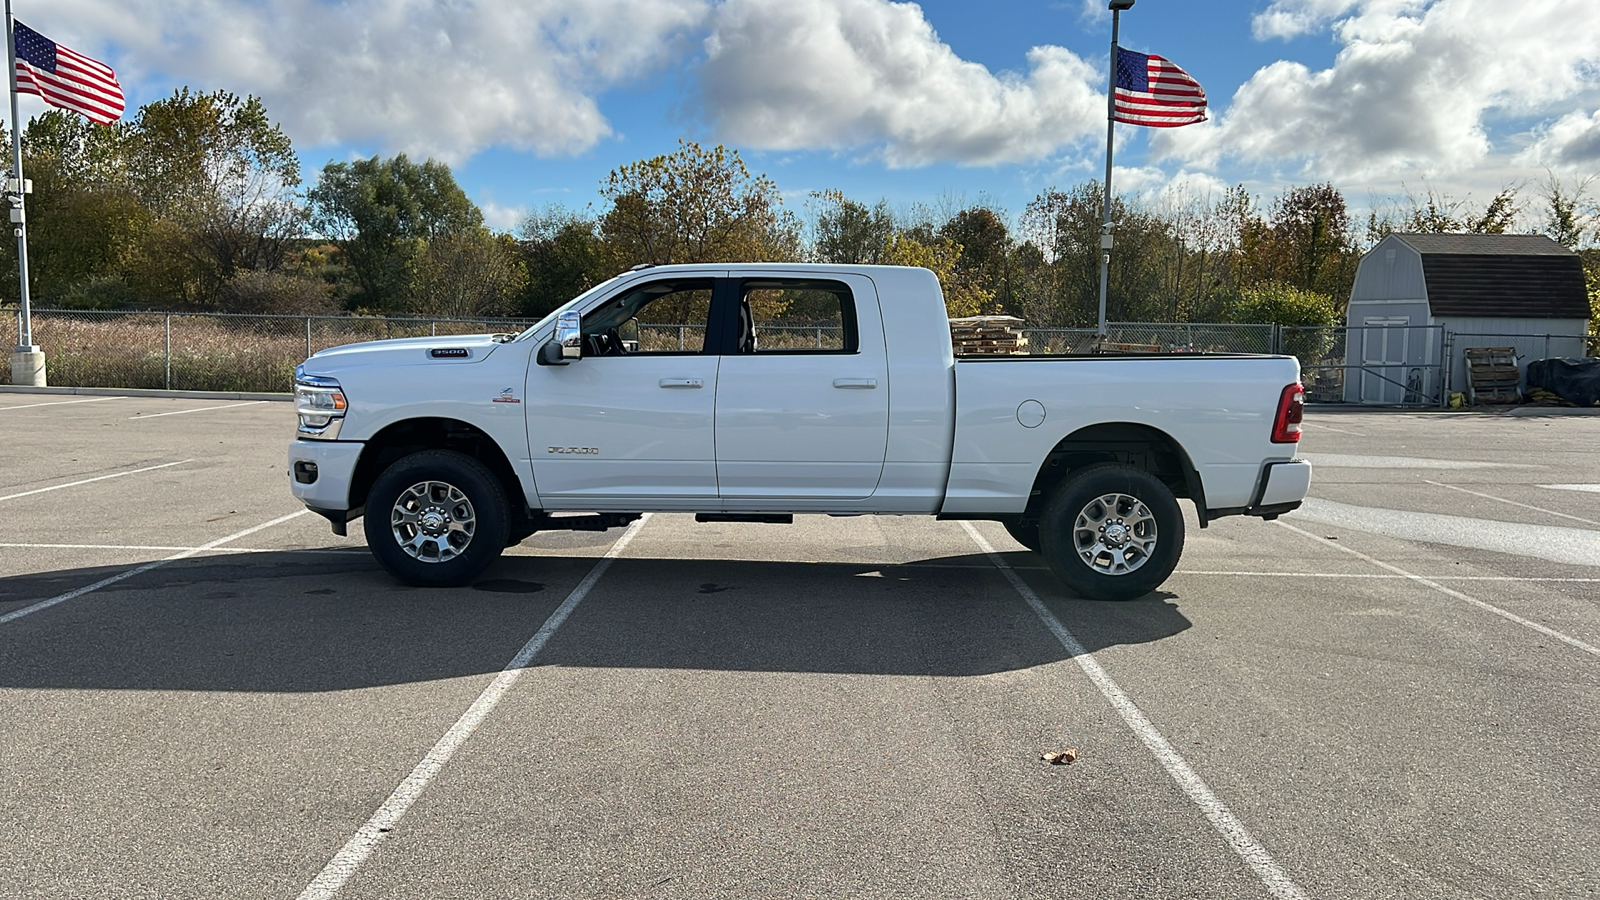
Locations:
(208, 353)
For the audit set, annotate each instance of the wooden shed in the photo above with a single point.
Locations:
(1420, 301)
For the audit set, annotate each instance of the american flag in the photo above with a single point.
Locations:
(1152, 91)
(66, 79)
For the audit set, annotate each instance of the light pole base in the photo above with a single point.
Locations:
(27, 367)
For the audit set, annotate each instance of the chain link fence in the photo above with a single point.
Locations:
(207, 351)
(1399, 366)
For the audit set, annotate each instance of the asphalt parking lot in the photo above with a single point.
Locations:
(1391, 693)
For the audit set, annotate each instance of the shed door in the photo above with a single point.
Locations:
(1384, 345)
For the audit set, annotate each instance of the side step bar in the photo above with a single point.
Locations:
(759, 518)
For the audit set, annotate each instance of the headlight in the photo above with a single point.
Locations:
(320, 403)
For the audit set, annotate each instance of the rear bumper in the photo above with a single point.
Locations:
(1282, 487)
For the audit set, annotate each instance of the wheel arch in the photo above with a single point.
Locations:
(1128, 443)
(401, 439)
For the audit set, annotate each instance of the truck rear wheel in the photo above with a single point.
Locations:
(436, 518)
(1112, 532)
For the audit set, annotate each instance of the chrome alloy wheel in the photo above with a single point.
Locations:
(433, 521)
(1114, 534)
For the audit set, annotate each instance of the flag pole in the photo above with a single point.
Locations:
(1117, 6)
(27, 362)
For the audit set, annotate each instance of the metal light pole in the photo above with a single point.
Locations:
(1117, 6)
(27, 361)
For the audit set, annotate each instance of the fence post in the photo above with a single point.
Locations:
(308, 337)
(168, 328)
(681, 336)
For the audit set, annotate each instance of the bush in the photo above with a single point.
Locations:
(109, 292)
(276, 293)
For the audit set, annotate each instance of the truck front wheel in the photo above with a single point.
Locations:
(436, 518)
(1112, 532)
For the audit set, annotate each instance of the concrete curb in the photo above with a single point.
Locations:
(145, 392)
(1522, 411)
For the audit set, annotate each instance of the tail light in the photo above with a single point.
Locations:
(1291, 412)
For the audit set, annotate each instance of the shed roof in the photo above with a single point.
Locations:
(1505, 275)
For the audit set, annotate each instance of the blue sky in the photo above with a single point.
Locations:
(940, 103)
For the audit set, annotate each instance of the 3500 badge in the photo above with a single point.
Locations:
(576, 450)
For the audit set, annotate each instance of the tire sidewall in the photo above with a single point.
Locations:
(1076, 492)
(463, 472)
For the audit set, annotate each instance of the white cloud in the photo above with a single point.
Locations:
(872, 75)
(1292, 18)
(1414, 92)
(1573, 141)
(499, 217)
(443, 78)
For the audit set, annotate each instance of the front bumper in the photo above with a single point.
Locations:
(321, 472)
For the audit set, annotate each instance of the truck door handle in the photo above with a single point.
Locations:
(681, 383)
(855, 384)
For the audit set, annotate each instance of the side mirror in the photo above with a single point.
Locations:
(550, 354)
(567, 344)
(569, 334)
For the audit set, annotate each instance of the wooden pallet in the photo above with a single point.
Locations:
(988, 336)
(1492, 375)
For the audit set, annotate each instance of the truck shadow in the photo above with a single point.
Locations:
(294, 622)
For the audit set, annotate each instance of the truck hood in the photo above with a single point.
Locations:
(444, 350)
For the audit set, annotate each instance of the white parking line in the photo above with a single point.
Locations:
(61, 402)
(1318, 425)
(184, 412)
(1548, 512)
(96, 478)
(144, 548)
(140, 570)
(1222, 819)
(1368, 575)
(1487, 607)
(361, 844)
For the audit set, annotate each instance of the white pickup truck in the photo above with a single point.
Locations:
(753, 392)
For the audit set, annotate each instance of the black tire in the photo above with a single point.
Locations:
(1136, 510)
(1024, 532)
(452, 509)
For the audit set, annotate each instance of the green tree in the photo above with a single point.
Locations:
(985, 258)
(1308, 241)
(962, 297)
(216, 167)
(563, 255)
(849, 232)
(382, 213)
(1065, 225)
(695, 205)
(84, 219)
(465, 274)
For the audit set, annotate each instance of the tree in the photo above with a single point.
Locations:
(1309, 241)
(961, 296)
(1439, 213)
(695, 205)
(468, 273)
(563, 255)
(1065, 226)
(218, 168)
(84, 219)
(382, 213)
(849, 232)
(985, 251)
(1566, 221)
